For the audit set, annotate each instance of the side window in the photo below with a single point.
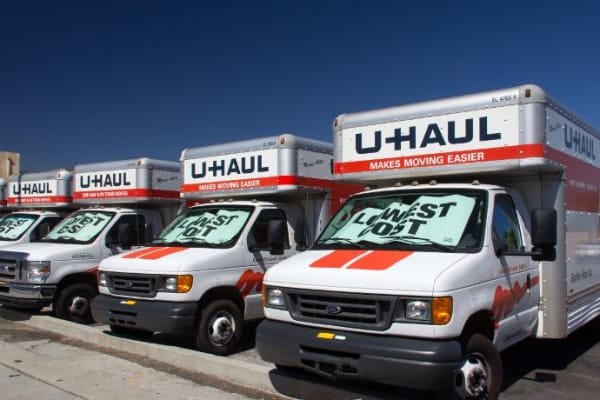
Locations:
(134, 230)
(505, 226)
(258, 238)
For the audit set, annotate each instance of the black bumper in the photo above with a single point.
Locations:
(154, 316)
(406, 362)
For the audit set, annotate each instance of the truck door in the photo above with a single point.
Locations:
(260, 255)
(512, 306)
(134, 237)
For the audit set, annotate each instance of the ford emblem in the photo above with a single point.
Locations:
(333, 309)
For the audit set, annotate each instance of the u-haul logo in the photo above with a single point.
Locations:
(247, 165)
(34, 188)
(414, 136)
(105, 180)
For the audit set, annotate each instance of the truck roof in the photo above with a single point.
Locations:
(518, 129)
(276, 165)
(132, 181)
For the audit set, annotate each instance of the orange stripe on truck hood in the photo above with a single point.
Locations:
(361, 259)
(154, 253)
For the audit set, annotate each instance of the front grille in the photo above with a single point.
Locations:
(132, 284)
(342, 309)
(8, 269)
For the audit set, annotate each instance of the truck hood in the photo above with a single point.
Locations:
(40, 251)
(368, 271)
(167, 260)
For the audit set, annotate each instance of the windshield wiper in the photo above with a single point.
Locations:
(411, 239)
(62, 239)
(349, 242)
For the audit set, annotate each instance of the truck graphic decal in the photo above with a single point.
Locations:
(361, 259)
(239, 184)
(506, 299)
(442, 159)
(249, 281)
(154, 253)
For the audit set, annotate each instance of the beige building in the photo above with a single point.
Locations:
(9, 164)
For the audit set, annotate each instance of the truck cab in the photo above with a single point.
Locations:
(465, 243)
(258, 202)
(27, 226)
(60, 270)
(36, 203)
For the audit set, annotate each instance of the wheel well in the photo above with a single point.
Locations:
(481, 322)
(88, 278)
(222, 292)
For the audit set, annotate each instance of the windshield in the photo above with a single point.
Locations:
(80, 227)
(435, 220)
(206, 227)
(13, 226)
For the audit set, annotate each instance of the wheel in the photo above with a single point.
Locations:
(123, 330)
(74, 303)
(479, 375)
(219, 328)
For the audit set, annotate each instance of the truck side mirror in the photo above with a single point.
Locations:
(276, 236)
(124, 236)
(41, 231)
(543, 234)
(300, 234)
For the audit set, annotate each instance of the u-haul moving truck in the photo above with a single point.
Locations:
(2, 197)
(483, 241)
(37, 201)
(125, 203)
(203, 275)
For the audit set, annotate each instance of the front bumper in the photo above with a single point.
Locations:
(153, 316)
(26, 295)
(407, 362)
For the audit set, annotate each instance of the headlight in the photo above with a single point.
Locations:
(37, 271)
(274, 297)
(178, 284)
(419, 310)
(102, 279)
(436, 311)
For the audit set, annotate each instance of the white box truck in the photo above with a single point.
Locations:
(125, 203)
(2, 197)
(259, 202)
(475, 235)
(37, 202)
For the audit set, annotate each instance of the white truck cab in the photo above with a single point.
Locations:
(259, 202)
(125, 204)
(37, 202)
(466, 244)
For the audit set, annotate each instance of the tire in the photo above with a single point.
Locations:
(74, 303)
(479, 375)
(138, 333)
(219, 328)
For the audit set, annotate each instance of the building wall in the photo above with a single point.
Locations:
(10, 164)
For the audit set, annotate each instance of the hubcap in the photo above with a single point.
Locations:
(221, 328)
(79, 305)
(471, 379)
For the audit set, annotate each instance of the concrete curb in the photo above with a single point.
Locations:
(244, 373)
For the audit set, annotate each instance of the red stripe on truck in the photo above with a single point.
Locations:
(441, 159)
(337, 258)
(125, 193)
(240, 184)
(154, 253)
(379, 260)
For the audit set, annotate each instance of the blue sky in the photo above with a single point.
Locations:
(85, 81)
